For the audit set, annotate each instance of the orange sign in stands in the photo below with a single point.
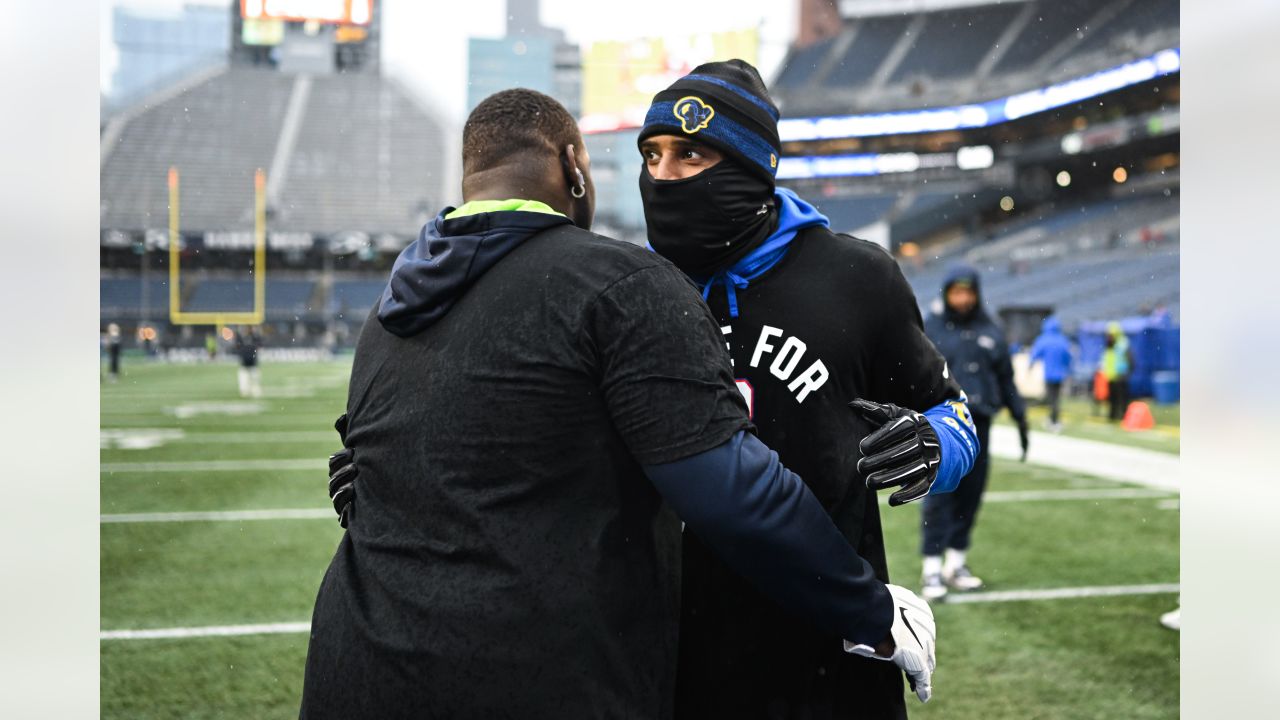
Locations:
(341, 12)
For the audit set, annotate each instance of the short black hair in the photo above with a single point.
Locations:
(514, 122)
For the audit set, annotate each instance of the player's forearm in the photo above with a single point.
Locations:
(765, 524)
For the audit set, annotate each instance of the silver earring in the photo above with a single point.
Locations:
(581, 189)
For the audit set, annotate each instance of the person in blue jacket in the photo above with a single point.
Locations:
(1054, 350)
(978, 357)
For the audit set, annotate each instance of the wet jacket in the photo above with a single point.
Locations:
(976, 352)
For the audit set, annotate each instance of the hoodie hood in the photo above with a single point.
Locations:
(434, 271)
(1051, 326)
(961, 272)
(957, 273)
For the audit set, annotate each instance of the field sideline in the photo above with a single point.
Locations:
(216, 529)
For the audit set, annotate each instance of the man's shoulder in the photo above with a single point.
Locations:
(842, 245)
(579, 250)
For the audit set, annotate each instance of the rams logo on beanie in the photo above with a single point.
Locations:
(694, 114)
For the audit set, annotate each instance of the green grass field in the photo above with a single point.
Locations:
(1081, 418)
(173, 436)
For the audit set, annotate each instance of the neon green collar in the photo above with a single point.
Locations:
(476, 207)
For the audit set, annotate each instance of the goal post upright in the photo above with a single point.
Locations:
(177, 315)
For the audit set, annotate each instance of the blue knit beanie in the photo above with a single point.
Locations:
(725, 105)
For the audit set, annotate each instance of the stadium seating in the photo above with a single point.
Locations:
(366, 159)
(1133, 20)
(1050, 24)
(216, 133)
(872, 41)
(352, 299)
(955, 55)
(360, 156)
(121, 298)
(1086, 261)
(953, 42)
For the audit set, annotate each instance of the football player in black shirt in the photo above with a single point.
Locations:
(528, 404)
(830, 354)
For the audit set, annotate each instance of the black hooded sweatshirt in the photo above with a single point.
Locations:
(522, 400)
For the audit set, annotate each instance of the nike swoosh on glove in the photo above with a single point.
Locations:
(914, 634)
(903, 452)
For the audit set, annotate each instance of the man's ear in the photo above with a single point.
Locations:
(569, 165)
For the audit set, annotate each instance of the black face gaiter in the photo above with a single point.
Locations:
(709, 221)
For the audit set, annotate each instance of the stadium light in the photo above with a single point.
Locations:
(1120, 175)
(975, 157)
(1064, 178)
(1006, 203)
(984, 114)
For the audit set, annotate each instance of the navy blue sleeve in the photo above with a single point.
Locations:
(762, 521)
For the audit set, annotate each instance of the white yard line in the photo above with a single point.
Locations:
(1149, 468)
(1061, 593)
(178, 466)
(210, 631)
(955, 598)
(223, 516)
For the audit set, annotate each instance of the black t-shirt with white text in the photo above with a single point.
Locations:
(506, 556)
(834, 320)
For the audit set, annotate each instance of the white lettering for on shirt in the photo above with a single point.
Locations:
(762, 345)
(784, 364)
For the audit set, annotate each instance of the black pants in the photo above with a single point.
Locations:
(1054, 393)
(948, 519)
(1118, 397)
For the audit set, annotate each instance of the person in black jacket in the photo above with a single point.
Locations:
(528, 404)
(978, 357)
(813, 321)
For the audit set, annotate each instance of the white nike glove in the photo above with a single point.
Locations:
(913, 634)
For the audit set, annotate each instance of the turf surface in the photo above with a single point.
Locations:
(1104, 657)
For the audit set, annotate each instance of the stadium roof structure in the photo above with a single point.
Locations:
(342, 153)
(940, 57)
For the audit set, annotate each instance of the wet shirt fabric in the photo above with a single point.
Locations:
(507, 557)
(833, 320)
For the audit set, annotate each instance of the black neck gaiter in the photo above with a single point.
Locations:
(708, 222)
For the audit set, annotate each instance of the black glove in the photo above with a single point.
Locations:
(342, 475)
(1024, 436)
(904, 451)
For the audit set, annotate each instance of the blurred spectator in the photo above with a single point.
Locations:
(1054, 350)
(1116, 362)
(247, 342)
(978, 356)
(211, 346)
(113, 352)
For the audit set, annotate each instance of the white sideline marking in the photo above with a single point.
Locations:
(1088, 494)
(1009, 496)
(1061, 593)
(1149, 468)
(304, 627)
(211, 631)
(215, 465)
(222, 516)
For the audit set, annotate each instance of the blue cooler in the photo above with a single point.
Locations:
(1165, 386)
